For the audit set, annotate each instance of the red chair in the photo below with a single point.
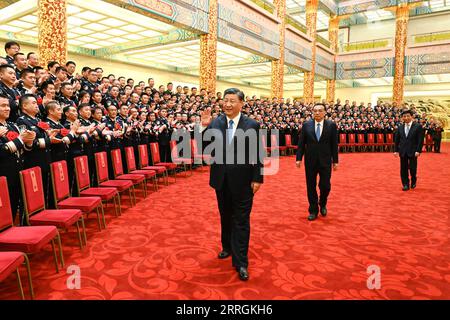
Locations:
(390, 141)
(343, 141)
(83, 181)
(156, 159)
(266, 148)
(199, 158)
(428, 143)
(380, 141)
(290, 147)
(34, 205)
(136, 179)
(131, 165)
(24, 239)
(63, 200)
(101, 164)
(181, 161)
(361, 143)
(161, 171)
(371, 141)
(352, 141)
(10, 263)
(275, 146)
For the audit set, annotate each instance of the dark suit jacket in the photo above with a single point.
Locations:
(409, 146)
(318, 153)
(239, 176)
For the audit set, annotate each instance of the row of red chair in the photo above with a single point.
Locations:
(16, 243)
(347, 141)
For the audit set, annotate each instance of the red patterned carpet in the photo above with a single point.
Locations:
(166, 247)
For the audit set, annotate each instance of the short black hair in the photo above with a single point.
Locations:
(319, 105)
(51, 64)
(70, 62)
(25, 72)
(3, 67)
(29, 54)
(25, 98)
(9, 44)
(407, 111)
(235, 91)
(85, 69)
(18, 54)
(83, 105)
(37, 68)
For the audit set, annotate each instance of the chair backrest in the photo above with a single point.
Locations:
(82, 173)
(351, 138)
(273, 140)
(263, 139)
(360, 137)
(287, 138)
(173, 150)
(370, 137)
(154, 148)
(101, 164)
(131, 161)
(32, 190)
(343, 138)
(60, 180)
(5, 205)
(390, 138)
(143, 155)
(116, 158)
(194, 148)
(380, 138)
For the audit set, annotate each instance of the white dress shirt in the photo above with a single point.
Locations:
(408, 128)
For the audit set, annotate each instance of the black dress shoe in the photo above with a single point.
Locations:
(413, 186)
(323, 211)
(312, 216)
(243, 273)
(223, 254)
(405, 188)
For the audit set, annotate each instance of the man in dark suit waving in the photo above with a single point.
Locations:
(318, 142)
(235, 177)
(408, 143)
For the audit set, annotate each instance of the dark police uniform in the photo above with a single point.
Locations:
(13, 97)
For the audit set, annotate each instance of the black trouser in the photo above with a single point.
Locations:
(311, 186)
(235, 209)
(164, 153)
(408, 167)
(437, 145)
(15, 198)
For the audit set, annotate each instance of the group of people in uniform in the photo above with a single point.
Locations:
(55, 114)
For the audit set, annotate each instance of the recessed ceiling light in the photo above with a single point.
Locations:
(90, 15)
(96, 26)
(115, 32)
(76, 21)
(81, 31)
(113, 22)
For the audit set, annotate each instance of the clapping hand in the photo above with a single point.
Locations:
(206, 117)
(28, 137)
(3, 131)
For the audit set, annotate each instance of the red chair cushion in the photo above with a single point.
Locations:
(85, 204)
(182, 161)
(135, 178)
(9, 262)
(104, 193)
(120, 185)
(146, 173)
(167, 165)
(158, 169)
(26, 239)
(62, 218)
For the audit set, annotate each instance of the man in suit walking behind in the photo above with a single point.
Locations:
(318, 142)
(235, 182)
(408, 144)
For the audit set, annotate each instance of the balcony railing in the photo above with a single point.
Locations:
(323, 41)
(366, 45)
(297, 25)
(264, 5)
(430, 37)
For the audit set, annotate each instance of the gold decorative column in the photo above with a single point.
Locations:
(208, 51)
(311, 22)
(277, 82)
(52, 28)
(401, 29)
(333, 33)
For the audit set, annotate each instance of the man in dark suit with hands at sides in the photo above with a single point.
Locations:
(318, 143)
(235, 181)
(408, 144)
